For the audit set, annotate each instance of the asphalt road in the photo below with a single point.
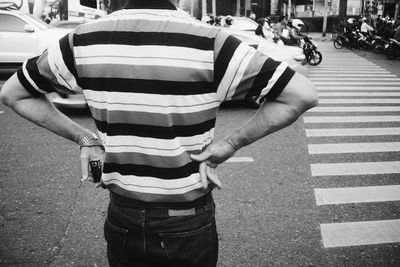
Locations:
(266, 212)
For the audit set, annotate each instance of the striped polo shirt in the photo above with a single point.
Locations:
(154, 80)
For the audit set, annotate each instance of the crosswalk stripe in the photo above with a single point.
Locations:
(358, 94)
(240, 159)
(345, 195)
(353, 75)
(382, 83)
(365, 79)
(355, 168)
(345, 67)
(325, 72)
(359, 100)
(341, 148)
(360, 233)
(353, 131)
(355, 109)
(357, 88)
(347, 119)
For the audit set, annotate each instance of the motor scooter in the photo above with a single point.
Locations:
(379, 44)
(393, 49)
(310, 50)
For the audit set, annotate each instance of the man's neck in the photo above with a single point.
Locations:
(149, 4)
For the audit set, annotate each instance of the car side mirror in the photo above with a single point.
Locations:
(28, 28)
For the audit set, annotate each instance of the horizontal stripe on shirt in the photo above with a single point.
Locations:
(144, 39)
(155, 69)
(152, 131)
(147, 118)
(168, 186)
(153, 160)
(151, 171)
(146, 86)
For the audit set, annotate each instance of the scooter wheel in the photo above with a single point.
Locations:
(314, 58)
(378, 48)
(338, 43)
(390, 54)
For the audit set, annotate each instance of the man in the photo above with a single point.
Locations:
(154, 79)
(365, 28)
(295, 31)
(281, 31)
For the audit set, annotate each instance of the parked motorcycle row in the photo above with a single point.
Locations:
(372, 41)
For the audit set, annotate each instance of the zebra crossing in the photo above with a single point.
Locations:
(358, 99)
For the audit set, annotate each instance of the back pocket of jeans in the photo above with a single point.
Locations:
(115, 236)
(188, 245)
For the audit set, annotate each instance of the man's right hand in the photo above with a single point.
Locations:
(210, 158)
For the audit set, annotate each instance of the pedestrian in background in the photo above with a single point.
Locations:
(260, 28)
(154, 79)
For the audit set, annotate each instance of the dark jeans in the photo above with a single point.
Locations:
(161, 234)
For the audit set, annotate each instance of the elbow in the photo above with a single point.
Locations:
(308, 97)
(4, 98)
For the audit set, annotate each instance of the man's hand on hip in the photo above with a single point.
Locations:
(91, 153)
(210, 158)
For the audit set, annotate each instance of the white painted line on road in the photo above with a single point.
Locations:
(348, 72)
(347, 94)
(240, 159)
(348, 62)
(345, 195)
(352, 75)
(360, 233)
(352, 131)
(355, 168)
(357, 88)
(382, 83)
(347, 67)
(359, 100)
(341, 148)
(356, 109)
(339, 79)
(343, 119)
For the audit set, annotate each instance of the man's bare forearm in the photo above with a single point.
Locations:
(298, 97)
(40, 111)
(263, 123)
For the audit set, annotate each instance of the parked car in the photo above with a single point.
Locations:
(23, 36)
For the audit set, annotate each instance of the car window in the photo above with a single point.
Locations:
(9, 23)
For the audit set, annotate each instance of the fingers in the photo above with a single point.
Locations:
(203, 174)
(85, 168)
(201, 157)
(208, 173)
(213, 177)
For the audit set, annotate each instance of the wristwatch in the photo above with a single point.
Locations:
(90, 139)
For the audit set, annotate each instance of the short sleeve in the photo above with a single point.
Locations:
(53, 71)
(241, 71)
